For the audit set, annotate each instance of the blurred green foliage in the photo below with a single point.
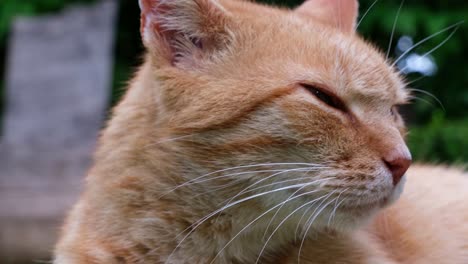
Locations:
(437, 134)
(440, 140)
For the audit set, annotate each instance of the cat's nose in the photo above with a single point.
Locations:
(398, 162)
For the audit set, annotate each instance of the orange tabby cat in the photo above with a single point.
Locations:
(254, 134)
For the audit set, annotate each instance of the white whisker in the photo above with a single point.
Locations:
(202, 220)
(317, 208)
(436, 47)
(310, 225)
(300, 221)
(336, 206)
(255, 220)
(235, 182)
(269, 177)
(415, 80)
(284, 220)
(277, 211)
(425, 40)
(421, 99)
(393, 29)
(221, 187)
(428, 94)
(365, 13)
(273, 184)
(234, 168)
(235, 174)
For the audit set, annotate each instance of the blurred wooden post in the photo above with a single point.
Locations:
(58, 84)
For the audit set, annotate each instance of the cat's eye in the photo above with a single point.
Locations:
(326, 97)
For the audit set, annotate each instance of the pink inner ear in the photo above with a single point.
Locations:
(147, 5)
(152, 8)
(341, 14)
(150, 11)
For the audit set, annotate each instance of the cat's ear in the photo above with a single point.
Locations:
(183, 31)
(341, 14)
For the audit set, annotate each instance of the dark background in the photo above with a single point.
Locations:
(438, 133)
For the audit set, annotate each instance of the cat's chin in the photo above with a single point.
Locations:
(366, 208)
(397, 191)
(360, 214)
(350, 219)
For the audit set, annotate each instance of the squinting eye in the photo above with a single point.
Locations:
(327, 98)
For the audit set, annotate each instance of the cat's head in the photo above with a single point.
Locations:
(276, 103)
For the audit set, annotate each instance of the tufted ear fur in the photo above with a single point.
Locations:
(183, 31)
(341, 14)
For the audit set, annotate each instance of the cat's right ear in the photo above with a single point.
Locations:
(182, 32)
(341, 14)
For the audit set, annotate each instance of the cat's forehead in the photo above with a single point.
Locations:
(306, 50)
(350, 66)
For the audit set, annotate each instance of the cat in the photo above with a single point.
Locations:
(256, 134)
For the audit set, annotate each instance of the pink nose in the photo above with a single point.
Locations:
(398, 164)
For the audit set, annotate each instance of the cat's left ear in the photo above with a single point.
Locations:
(341, 14)
(181, 32)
